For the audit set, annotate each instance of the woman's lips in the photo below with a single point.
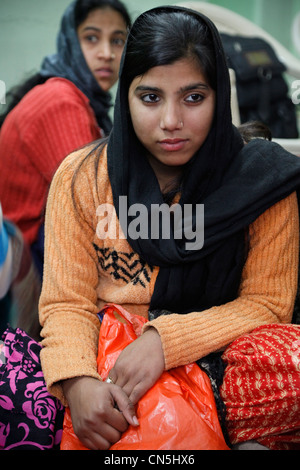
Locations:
(104, 72)
(172, 145)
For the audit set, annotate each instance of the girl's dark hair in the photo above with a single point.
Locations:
(82, 9)
(171, 37)
(253, 130)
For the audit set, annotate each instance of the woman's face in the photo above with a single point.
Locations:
(172, 109)
(102, 37)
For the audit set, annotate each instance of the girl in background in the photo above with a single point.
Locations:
(61, 108)
(65, 106)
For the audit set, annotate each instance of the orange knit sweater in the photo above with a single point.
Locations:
(83, 272)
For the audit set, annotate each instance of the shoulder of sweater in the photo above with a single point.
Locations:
(285, 208)
(83, 161)
(50, 98)
(56, 95)
(279, 215)
(58, 89)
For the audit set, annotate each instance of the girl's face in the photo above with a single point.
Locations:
(172, 109)
(102, 37)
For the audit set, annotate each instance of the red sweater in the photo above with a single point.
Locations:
(51, 121)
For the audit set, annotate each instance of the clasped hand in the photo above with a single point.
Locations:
(102, 411)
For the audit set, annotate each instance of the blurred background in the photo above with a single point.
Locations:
(28, 28)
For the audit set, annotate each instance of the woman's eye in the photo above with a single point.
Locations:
(118, 42)
(91, 39)
(194, 98)
(150, 98)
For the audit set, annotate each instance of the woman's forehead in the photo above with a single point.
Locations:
(182, 75)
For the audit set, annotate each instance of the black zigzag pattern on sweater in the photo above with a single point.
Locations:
(128, 267)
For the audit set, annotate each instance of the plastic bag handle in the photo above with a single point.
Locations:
(136, 321)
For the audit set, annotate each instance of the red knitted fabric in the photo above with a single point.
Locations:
(261, 387)
(50, 122)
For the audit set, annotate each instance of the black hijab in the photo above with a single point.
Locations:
(236, 184)
(70, 63)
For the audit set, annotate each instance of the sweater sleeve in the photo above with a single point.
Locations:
(267, 292)
(68, 303)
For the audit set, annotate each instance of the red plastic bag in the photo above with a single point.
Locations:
(177, 413)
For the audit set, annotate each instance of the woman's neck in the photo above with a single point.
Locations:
(166, 175)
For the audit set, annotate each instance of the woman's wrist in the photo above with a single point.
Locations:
(71, 386)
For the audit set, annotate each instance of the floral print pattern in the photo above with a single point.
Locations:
(30, 418)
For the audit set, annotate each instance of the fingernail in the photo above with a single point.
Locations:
(135, 420)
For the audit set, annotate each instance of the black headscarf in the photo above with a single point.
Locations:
(236, 184)
(70, 63)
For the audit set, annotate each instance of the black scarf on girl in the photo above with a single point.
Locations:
(236, 184)
(70, 63)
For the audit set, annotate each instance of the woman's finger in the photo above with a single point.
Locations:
(124, 405)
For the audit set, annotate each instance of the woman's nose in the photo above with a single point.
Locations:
(171, 118)
(105, 51)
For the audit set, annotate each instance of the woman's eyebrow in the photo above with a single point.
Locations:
(99, 30)
(192, 86)
(147, 88)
